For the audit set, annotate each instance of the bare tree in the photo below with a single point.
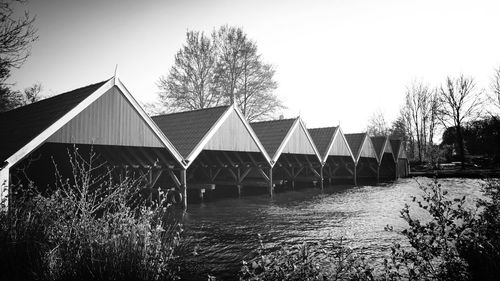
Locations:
(460, 102)
(32, 93)
(242, 77)
(420, 113)
(16, 36)
(377, 126)
(494, 97)
(190, 83)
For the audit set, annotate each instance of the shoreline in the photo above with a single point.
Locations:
(457, 173)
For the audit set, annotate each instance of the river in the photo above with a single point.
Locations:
(224, 232)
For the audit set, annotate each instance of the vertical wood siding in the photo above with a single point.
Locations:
(387, 148)
(402, 153)
(298, 143)
(367, 149)
(339, 147)
(232, 136)
(110, 120)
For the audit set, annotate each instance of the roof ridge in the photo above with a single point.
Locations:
(276, 120)
(188, 111)
(319, 128)
(52, 97)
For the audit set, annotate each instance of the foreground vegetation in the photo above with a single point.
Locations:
(456, 242)
(90, 228)
(94, 226)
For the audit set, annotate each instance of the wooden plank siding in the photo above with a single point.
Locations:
(232, 136)
(298, 142)
(339, 146)
(367, 149)
(110, 120)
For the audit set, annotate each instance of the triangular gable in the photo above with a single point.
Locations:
(110, 120)
(231, 133)
(298, 142)
(402, 153)
(367, 150)
(388, 148)
(396, 146)
(381, 145)
(339, 146)
(20, 126)
(81, 106)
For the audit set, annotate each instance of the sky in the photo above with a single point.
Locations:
(337, 61)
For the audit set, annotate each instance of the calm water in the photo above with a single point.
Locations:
(224, 232)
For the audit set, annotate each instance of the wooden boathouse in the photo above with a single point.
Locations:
(198, 149)
(403, 166)
(336, 155)
(218, 146)
(294, 157)
(365, 156)
(104, 118)
(386, 164)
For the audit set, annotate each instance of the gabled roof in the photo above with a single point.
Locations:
(355, 142)
(379, 144)
(20, 125)
(396, 147)
(24, 129)
(191, 131)
(272, 133)
(322, 138)
(186, 129)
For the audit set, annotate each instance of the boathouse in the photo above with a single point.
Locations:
(294, 157)
(103, 118)
(403, 166)
(218, 146)
(365, 156)
(336, 155)
(386, 163)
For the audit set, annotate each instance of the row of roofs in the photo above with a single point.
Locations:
(106, 113)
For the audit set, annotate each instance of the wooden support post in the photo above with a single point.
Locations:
(183, 189)
(355, 174)
(238, 186)
(271, 187)
(321, 179)
(396, 167)
(293, 178)
(378, 173)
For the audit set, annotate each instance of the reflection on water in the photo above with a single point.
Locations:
(224, 232)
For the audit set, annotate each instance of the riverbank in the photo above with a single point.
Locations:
(458, 173)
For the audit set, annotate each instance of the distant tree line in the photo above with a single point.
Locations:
(220, 69)
(457, 108)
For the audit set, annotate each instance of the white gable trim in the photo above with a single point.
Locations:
(310, 139)
(337, 133)
(285, 141)
(199, 147)
(43, 136)
(149, 121)
(363, 144)
(38, 140)
(252, 133)
(296, 123)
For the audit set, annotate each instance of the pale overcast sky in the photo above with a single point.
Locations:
(336, 61)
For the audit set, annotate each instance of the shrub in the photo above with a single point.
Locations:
(456, 241)
(92, 227)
